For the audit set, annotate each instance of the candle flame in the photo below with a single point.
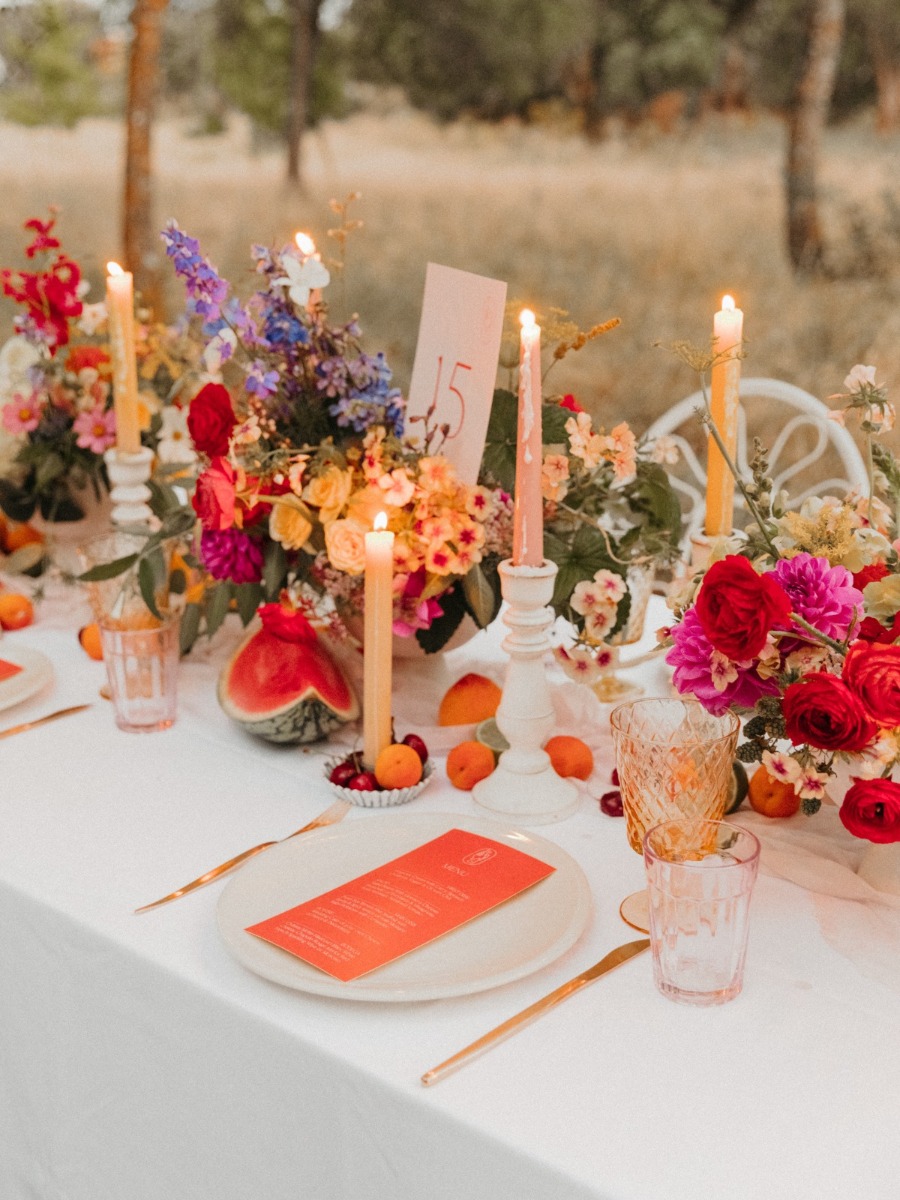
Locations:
(380, 521)
(305, 243)
(526, 318)
(113, 268)
(728, 303)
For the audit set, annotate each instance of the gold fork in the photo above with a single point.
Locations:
(330, 816)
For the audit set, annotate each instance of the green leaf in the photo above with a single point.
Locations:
(578, 560)
(108, 570)
(274, 569)
(147, 584)
(190, 627)
(248, 597)
(553, 424)
(482, 595)
(50, 467)
(442, 629)
(178, 582)
(25, 559)
(499, 460)
(217, 603)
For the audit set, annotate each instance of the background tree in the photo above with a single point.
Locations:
(304, 26)
(807, 122)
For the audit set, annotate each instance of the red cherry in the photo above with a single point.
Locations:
(413, 740)
(342, 774)
(365, 781)
(611, 804)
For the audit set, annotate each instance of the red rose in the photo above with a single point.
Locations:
(821, 711)
(870, 574)
(872, 671)
(211, 420)
(287, 623)
(214, 496)
(737, 608)
(568, 401)
(873, 631)
(871, 810)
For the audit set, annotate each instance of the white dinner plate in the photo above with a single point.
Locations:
(518, 937)
(37, 670)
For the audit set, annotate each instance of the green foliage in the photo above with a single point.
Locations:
(468, 56)
(51, 78)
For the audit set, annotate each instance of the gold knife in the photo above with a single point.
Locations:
(54, 716)
(615, 958)
(330, 816)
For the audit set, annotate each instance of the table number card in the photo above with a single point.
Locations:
(455, 366)
(402, 905)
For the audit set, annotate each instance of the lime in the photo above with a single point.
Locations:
(488, 733)
(738, 789)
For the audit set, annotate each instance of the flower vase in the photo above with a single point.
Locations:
(611, 688)
(62, 538)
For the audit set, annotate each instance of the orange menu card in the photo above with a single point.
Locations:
(8, 669)
(402, 905)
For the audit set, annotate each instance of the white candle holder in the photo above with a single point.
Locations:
(524, 785)
(128, 475)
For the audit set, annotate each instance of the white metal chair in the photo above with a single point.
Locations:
(794, 427)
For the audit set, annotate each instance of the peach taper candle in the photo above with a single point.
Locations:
(378, 636)
(120, 314)
(528, 520)
(728, 327)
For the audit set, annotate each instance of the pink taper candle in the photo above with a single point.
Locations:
(120, 315)
(728, 329)
(528, 526)
(378, 640)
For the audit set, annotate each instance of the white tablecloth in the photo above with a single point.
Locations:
(139, 1061)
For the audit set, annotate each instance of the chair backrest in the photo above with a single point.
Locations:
(802, 443)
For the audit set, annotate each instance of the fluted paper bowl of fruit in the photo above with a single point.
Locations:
(401, 772)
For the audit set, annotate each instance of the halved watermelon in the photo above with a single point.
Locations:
(285, 691)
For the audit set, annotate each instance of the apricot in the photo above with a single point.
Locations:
(469, 763)
(570, 757)
(398, 766)
(16, 611)
(471, 699)
(17, 536)
(91, 644)
(771, 797)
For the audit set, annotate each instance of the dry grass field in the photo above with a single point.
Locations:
(643, 227)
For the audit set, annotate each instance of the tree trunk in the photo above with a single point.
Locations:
(807, 122)
(143, 254)
(886, 67)
(304, 30)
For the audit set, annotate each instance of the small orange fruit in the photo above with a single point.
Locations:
(398, 766)
(17, 536)
(16, 611)
(469, 763)
(90, 641)
(570, 756)
(471, 699)
(772, 797)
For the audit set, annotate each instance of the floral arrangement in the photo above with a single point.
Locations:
(799, 624)
(55, 387)
(301, 443)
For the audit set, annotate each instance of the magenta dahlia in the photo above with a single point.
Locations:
(692, 658)
(231, 554)
(820, 593)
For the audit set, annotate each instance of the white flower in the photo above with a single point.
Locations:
(810, 784)
(598, 622)
(93, 316)
(300, 278)
(664, 450)
(248, 432)
(859, 378)
(174, 440)
(612, 586)
(219, 349)
(722, 670)
(781, 766)
(16, 357)
(578, 663)
(587, 596)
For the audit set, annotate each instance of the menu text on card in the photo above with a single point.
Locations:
(455, 367)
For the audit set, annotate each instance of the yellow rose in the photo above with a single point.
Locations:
(328, 492)
(290, 526)
(346, 546)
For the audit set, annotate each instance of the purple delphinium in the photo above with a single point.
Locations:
(692, 656)
(370, 400)
(821, 594)
(231, 554)
(260, 382)
(204, 286)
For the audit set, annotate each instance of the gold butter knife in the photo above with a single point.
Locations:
(614, 959)
(330, 816)
(54, 716)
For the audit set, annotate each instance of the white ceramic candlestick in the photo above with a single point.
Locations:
(128, 475)
(524, 786)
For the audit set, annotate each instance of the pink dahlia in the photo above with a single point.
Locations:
(695, 668)
(821, 594)
(231, 554)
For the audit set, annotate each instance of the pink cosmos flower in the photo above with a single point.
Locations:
(22, 415)
(96, 429)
